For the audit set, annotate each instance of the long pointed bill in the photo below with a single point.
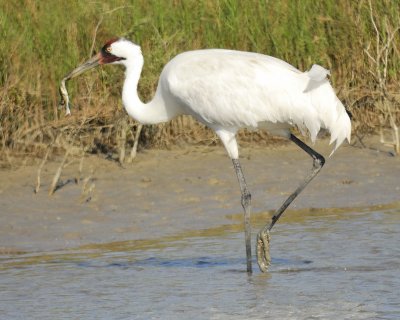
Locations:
(89, 64)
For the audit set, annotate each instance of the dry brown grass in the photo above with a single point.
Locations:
(43, 42)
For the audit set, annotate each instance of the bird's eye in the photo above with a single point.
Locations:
(108, 49)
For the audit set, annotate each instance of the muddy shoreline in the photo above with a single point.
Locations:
(169, 192)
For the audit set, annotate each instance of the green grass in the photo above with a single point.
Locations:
(41, 41)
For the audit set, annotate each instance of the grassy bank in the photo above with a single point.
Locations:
(43, 40)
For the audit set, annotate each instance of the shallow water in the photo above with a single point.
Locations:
(326, 264)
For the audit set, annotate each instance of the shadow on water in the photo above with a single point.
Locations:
(279, 265)
(197, 263)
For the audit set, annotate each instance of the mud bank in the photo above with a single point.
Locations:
(167, 192)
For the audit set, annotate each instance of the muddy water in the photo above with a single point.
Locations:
(327, 264)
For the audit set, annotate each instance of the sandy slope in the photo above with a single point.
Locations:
(169, 192)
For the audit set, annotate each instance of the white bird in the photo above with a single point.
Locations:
(227, 90)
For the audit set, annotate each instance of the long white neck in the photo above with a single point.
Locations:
(156, 111)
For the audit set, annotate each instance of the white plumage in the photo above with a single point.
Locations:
(239, 89)
(228, 90)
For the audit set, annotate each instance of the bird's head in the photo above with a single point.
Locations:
(115, 51)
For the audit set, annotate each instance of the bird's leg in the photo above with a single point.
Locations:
(246, 204)
(263, 237)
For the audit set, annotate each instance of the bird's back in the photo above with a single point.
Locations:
(225, 88)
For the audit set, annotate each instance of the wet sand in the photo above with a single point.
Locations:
(169, 192)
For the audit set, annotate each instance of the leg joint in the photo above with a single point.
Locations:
(318, 162)
(246, 198)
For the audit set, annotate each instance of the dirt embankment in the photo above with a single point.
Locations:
(167, 192)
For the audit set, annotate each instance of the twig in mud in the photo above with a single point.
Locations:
(360, 139)
(58, 174)
(7, 153)
(80, 168)
(135, 143)
(122, 140)
(86, 194)
(37, 188)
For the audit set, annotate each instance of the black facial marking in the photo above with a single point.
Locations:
(106, 56)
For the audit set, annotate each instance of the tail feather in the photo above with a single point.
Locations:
(331, 112)
(317, 76)
(341, 129)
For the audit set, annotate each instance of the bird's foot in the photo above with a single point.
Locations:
(263, 255)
